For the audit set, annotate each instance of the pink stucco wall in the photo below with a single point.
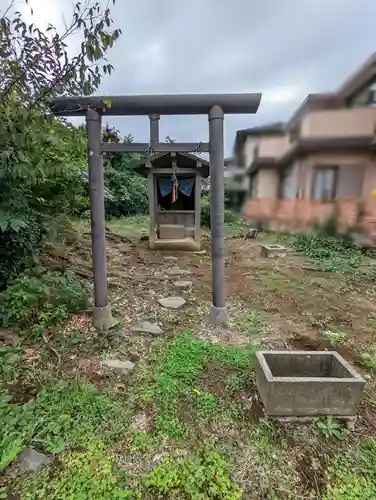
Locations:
(291, 215)
(359, 180)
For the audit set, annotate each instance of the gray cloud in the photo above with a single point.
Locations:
(284, 49)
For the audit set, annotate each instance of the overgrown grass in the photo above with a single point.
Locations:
(212, 443)
(334, 336)
(89, 473)
(367, 357)
(38, 300)
(206, 475)
(329, 254)
(351, 476)
(129, 226)
(93, 473)
(59, 418)
(10, 363)
(178, 367)
(271, 475)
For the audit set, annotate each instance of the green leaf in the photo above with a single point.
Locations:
(11, 451)
(17, 224)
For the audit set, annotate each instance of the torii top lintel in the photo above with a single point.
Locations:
(171, 104)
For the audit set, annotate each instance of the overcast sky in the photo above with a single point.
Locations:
(284, 49)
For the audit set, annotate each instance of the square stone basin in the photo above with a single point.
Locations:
(275, 247)
(307, 384)
(273, 251)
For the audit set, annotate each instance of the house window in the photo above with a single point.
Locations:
(365, 98)
(324, 185)
(371, 98)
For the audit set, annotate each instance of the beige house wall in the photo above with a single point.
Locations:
(267, 183)
(338, 123)
(357, 176)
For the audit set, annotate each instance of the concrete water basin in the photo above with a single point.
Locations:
(307, 384)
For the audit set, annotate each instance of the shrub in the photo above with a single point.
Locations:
(42, 158)
(19, 241)
(230, 216)
(328, 227)
(36, 302)
(205, 211)
(126, 194)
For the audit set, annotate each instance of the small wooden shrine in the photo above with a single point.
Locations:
(174, 199)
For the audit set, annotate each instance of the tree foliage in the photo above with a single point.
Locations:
(35, 64)
(42, 158)
(126, 192)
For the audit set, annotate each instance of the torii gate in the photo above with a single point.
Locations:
(215, 106)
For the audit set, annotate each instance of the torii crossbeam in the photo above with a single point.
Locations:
(213, 105)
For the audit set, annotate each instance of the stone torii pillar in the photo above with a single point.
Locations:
(213, 105)
(102, 317)
(218, 311)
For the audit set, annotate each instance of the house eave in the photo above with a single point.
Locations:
(270, 129)
(304, 146)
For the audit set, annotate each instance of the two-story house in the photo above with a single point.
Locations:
(324, 153)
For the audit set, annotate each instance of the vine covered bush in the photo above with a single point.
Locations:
(43, 158)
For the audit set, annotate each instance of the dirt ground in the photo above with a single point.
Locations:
(295, 301)
(273, 302)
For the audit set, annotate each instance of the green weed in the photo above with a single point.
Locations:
(234, 383)
(35, 302)
(351, 476)
(60, 417)
(178, 368)
(330, 428)
(129, 226)
(367, 357)
(206, 476)
(10, 363)
(91, 473)
(206, 403)
(142, 442)
(329, 254)
(334, 336)
(271, 474)
(251, 323)
(262, 436)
